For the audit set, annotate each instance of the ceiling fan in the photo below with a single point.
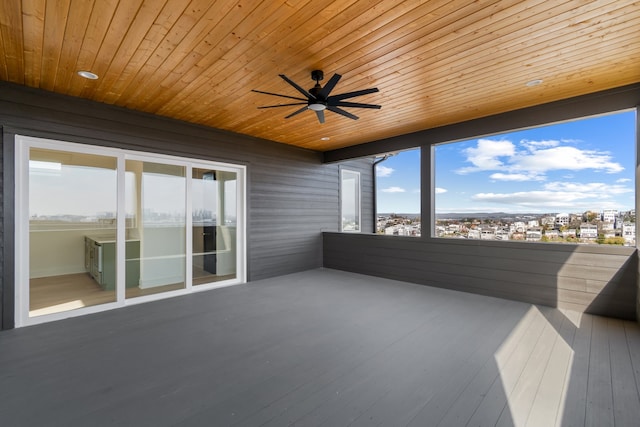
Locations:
(318, 98)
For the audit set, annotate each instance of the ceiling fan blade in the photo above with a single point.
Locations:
(283, 105)
(277, 94)
(320, 115)
(297, 112)
(342, 112)
(352, 94)
(333, 81)
(298, 88)
(355, 105)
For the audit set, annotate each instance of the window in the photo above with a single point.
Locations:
(572, 182)
(398, 194)
(97, 228)
(349, 200)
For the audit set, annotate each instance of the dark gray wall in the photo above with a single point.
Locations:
(593, 279)
(291, 196)
(599, 280)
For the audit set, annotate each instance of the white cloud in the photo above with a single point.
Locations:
(499, 176)
(623, 180)
(534, 145)
(535, 161)
(383, 171)
(440, 190)
(393, 190)
(559, 196)
(486, 155)
(599, 188)
(564, 158)
(537, 200)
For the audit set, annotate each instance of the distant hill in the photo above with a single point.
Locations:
(491, 215)
(405, 215)
(476, 215)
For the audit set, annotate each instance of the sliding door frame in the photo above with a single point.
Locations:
(23, 144)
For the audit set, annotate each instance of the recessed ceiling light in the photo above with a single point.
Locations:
(88, 75)
(325, 138)
(535, 82)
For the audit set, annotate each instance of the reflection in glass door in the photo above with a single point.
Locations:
(155, 250)
(98, 228)
(214, 225)
(72, 230)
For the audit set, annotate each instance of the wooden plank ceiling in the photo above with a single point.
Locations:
(436, 62)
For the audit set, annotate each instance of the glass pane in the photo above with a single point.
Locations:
(570, 183)
(214, 225)
(155, 212)
(72, 230)
(350, 200)
(398, 194)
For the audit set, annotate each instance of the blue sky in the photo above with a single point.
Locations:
(398, 185)
(568, 167)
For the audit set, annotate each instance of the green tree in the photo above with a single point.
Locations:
(614, 241)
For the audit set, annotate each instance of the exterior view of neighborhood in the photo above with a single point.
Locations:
(607, 226)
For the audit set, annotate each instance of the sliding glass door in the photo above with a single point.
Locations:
(98, 228)
(214, 225)
(156, 245)
(72, 199)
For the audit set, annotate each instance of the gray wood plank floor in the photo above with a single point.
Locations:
(324, 348)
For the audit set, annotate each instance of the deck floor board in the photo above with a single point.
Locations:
(323, 348)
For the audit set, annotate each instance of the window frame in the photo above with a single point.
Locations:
(357, 201)
(428, 178)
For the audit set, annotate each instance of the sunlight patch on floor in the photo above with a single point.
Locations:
(534, 364)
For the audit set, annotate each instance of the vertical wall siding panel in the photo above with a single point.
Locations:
(595, 280)
(291, 196)
(7, 239)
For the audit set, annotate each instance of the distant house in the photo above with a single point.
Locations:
(588, 231)
(562, 219)
(454, 228)
(519, 227)
(502, 234)
(607, 226)
(548, 220)
(402, 230)
(474, 234)
(487, 233)
(609, 215)
(629, 233)
(533, 235)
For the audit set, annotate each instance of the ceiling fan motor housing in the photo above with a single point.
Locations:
(317, 75)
